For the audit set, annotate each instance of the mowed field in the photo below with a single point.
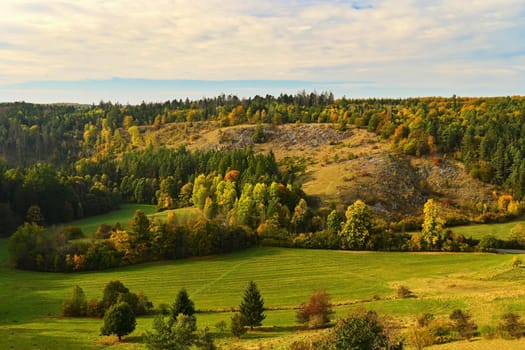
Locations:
(484, 284)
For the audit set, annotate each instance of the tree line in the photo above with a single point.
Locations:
(486, 134)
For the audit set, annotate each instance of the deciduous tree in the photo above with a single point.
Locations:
(120, 320)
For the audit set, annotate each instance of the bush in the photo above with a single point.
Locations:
(511, 325)
(164, 309)
(221, 326)
(359, 330)
(171, 335)
(403, 292)
(317, 311)
(236, 326)
(462, 323)
(77, 305)
(95, 309)
(72, 232)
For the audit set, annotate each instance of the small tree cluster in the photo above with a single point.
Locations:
(178, 331)
(114, 293)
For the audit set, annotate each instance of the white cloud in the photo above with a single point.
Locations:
(391, 42)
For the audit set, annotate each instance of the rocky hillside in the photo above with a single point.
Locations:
(342, 166)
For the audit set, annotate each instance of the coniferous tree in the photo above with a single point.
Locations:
(182, 305)
(252, 306)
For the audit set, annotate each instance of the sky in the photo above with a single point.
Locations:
(157, 50)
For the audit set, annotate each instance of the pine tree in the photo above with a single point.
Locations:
(252, 306)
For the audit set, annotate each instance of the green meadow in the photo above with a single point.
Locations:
(484, 284)
(501, 231)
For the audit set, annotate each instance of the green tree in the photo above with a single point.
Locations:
(361, 330)
(236, 326)
(182, 305)
(77, 305)
(334, 222)
(299, 214)
(358, 226)
(252, 306)
(140, 225)
(201, 191)
(171, 335)
(462, 323)
(120, 320)
(111, 292)
(26, 244)
(317, 311)
(258, 134)
(432, 225)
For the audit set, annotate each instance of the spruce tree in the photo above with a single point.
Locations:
(252, 306)
(182, 305)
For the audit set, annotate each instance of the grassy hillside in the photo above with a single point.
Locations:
(483, 283)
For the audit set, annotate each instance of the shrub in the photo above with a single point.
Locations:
(72, 232)
(221, 326)
(462, 323)
(403, 292)
(419, 337)
(171, 335)
(317, 311)
(512, 325)
(103, 231)
(424, 319)
(164, 309)
(77, 305)
(236, 326)
(95, 308)
(359, 330)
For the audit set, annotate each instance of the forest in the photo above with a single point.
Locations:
(63, 162)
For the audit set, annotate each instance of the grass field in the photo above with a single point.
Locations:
(125, 213)
(501, 231)
(485, 284)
